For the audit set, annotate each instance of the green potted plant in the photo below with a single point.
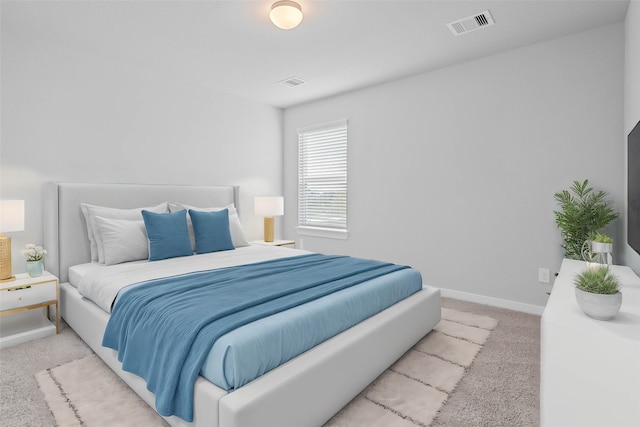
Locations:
(601, 243)
(598, 249)
(583, 212)
(598, 292)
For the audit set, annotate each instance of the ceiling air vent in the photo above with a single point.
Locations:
(292, 82)
(471, 23)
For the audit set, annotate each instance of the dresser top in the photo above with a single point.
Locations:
(562, 307)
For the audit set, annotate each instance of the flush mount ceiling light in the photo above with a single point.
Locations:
(286, 14)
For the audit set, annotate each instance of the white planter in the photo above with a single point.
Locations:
(598, 247)
(598, 306)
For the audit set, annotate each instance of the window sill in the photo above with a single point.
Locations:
(329, 233)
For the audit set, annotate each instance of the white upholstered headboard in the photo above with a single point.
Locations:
(65, 231)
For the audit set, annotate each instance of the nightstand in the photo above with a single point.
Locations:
(19, 297)
(286, 243)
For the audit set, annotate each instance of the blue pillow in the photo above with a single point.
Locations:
(168, 234)
(211, 230)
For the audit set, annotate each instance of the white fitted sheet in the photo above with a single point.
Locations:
(101, 283)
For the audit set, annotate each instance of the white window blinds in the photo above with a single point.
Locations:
(322, 176)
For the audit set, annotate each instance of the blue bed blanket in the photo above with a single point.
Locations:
(164, 329)
(252, 350)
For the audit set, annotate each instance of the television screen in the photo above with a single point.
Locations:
(633, 189)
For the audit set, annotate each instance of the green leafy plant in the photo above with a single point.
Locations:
(598, 281)
(582, 213)
(601, 238)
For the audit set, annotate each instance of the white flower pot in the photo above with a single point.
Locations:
(598, 306)
(598, 247)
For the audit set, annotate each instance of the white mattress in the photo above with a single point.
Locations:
(77, 272)
(101, 283)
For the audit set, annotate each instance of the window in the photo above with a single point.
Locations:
(322, 180)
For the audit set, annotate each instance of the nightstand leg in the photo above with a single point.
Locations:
(46, 311)
(57, 317)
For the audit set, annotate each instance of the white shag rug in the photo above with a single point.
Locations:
(86, 392)
(410, 393)
(414, 389)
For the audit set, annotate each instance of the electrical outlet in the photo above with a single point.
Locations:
(543, 275)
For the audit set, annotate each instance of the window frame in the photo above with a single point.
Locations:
(340, 173)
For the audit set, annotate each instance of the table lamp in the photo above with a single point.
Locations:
(268, 207)
(11, 219)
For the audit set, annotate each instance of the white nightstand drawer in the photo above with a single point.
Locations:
(28, 295)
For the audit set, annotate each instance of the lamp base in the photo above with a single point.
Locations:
(5, 260)
(10, 279)
(268, 229)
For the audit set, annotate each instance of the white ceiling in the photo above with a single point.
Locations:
(231, 46)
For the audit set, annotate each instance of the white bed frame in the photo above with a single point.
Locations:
(306, 391)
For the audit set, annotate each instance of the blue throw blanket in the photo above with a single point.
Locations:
(163, 329)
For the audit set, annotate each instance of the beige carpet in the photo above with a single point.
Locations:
(411, 392)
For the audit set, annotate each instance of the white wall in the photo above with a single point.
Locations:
(454, 171)
(69, 115)
(631, 100)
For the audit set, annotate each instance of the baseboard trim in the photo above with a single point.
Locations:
(495, 302)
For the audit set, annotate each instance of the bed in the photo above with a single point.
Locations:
(305, 391)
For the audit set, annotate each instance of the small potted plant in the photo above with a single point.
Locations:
(598, 292)
(601, 243)
(598, 249)
(35, 259)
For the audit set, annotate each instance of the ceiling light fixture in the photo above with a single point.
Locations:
(286, 14)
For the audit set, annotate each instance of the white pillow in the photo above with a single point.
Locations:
(111, 213)
(235, 227)
(94, 246)
(122, 240)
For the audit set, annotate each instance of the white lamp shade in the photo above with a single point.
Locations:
(286, 14)
(269, 205)
(11, 215)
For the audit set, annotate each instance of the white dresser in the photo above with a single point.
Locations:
(590, 369)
